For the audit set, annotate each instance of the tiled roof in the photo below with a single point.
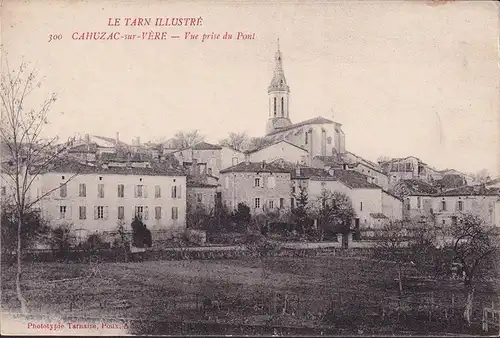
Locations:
(256, 167)
(110, 140)
(69, 165)
(354, 180)
(194, 184)
(206, 146)
(315, 120)
(378, 215)
(451, 181)
(471, 191)
(269, 145)
(418, 187)
(329, 160)
(84, 148)
(306, 172)
(114, 157)
(494, 181)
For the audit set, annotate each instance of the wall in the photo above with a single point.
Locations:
(485, 207)
(207, 196)
(377, 178)
(279, 150)
(239, 188)
(371, 199)
(50, 205)
(211, 157)
(415, 210)
(227, 155)
(392, 207)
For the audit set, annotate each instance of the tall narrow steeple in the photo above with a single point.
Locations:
(279, 95)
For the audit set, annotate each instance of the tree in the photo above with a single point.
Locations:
(259, 142)
(122, 240)
(474, 245)
(26, 152)
(188, 139)
(241, 216)
(482, 176)
(393, 247)
(35, 229)
(334, 212)
(62, 239)
(301, 210)
(383, 159)
(197, 216)
(140, 234)
(238, 141)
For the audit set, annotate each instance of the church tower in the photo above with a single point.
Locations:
(279, 97)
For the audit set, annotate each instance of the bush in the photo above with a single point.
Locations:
(141, 236)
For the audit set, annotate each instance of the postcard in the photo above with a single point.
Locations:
(250, 167)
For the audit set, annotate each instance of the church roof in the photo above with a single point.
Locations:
(315, 120)
(272, 144)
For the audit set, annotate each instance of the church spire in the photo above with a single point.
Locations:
(278, 83)
(278, 92)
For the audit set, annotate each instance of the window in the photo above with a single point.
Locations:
(361, 206)
(271, 204)
(175, 213)
(62, 212)
(257, 203)
(4, 191)
(141, 212)
(100, 190)
(460, 205)
(83, 212)
(139, 190)
(121, 190)
(82, 190)
(418, 202)
(408, 206)
(63, 190)
(282, 202)
(199, 197)
(157, 191)
(100, 212)
(293, 190)
(305, 135)
(157, 212)
(329, 140)
(257, 182)
(174, 191)
(443, 205)
(282, 107)
(121, 212)
(292, 202)
(235, 161)
(274, 106)
(271, 182)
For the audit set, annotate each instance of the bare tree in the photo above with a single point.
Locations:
(188, 139)
(334, 212)
(393, 247)
(474, 245)
(238, 141)
(259, 142)
(481, 176)
(25, 152)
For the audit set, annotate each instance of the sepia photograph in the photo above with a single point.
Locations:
(251, 168)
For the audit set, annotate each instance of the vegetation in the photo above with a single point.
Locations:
(141, 236)
(188, 139)
(237, 141)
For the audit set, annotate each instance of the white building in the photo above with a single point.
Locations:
(95, 198)
(280, 150)
(370, 202)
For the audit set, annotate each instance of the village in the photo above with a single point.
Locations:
(276, 212)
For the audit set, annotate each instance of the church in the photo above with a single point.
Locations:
(319, 137)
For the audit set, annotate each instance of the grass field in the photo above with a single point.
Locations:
(342, 293)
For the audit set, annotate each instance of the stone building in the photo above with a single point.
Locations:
(94, 198)
(261, 186)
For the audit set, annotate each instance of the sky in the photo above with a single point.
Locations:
(403, 78)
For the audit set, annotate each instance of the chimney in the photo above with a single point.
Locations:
(87, 138)
(263, 164)
(297, 171)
